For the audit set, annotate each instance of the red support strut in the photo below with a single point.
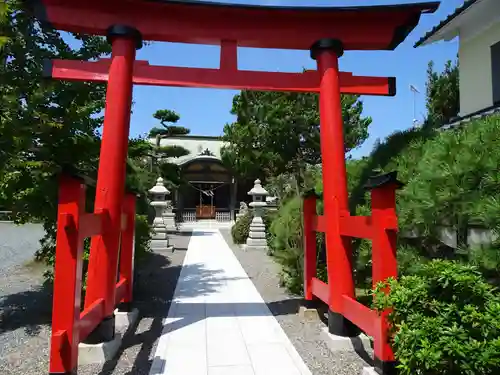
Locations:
(69, 325)
(309, 215)
(127, 249)
(381, 228)
(326, 52)
(384, 261)
(103, 262)
(67, 278)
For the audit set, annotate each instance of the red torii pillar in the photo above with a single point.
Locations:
(110, 190)
(335, 197)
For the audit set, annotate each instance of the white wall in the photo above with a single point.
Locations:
(476, 237)
(195, 145)
(475, 70)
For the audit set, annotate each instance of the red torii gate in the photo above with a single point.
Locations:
(325, 31)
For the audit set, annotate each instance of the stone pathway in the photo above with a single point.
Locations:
(218, 323)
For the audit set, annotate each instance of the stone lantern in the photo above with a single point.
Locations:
(158, 195)
(169, 217)
(257, 236)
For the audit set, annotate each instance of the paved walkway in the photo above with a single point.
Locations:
(218, 323)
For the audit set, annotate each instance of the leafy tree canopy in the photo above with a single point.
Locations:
(161, 155)
(443, 92)
(167, 118)
(279, 132)
(4, 6)
(45, 125)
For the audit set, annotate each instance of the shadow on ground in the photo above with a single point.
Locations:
(29, 310)
(155, 288)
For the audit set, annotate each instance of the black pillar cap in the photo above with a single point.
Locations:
(327, 44)
(339, 325)
(392, 86)
(125, 307)
(382, 180)
(311, 193)
(133, 190)
(124, 32)
(72, 171)
(309, 304)
(47, 68)
(38, 10)
(104, 332)
(385, 367)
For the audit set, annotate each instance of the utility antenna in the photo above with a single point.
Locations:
(415, 91)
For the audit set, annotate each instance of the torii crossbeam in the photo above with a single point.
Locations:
(228, 76)
(154, 75)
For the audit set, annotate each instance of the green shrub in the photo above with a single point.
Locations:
(446, 320)
(488, 260)
(287, 246)
(410, 259)
(143, 235)
(454, 181)
(241, 228)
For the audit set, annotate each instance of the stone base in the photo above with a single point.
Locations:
(99, 353)
(343, 344)
(255, 248)
(105, 351)
(308, 313)
(159, 236)
(388, 369)
(161, 245)
(257, 242)
(125, 319)
(169, 221)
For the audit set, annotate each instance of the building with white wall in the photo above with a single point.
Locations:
(477, 25)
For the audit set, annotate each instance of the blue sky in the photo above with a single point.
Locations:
(205, 111)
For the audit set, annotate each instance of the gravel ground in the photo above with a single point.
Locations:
(18, 243)
(25, 305)
(264, 273)
(25, 313)
(25, 308)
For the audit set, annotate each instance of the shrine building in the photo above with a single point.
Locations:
(211, 190)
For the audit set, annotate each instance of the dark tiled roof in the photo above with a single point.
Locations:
(460, 121)
(451, 17)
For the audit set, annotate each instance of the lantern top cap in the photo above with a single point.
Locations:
(258, 189)
(159, 188)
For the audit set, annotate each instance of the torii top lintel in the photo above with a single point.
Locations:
(381, 27)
